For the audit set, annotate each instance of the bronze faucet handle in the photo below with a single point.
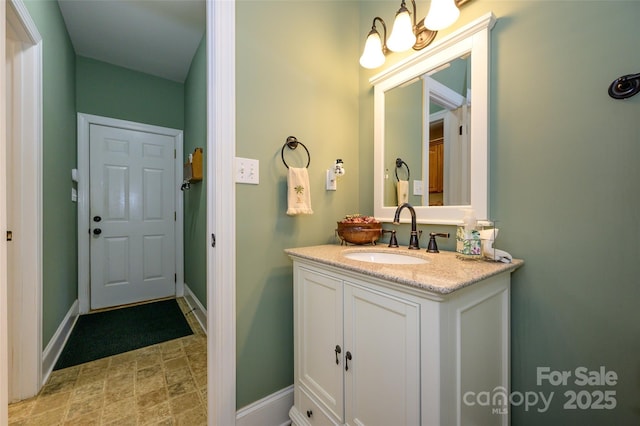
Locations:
(393, 241)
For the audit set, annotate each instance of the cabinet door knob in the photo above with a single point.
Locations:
(346, 363)
(337, 350)
(309, 413)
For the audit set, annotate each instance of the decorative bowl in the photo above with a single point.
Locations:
(359, 232)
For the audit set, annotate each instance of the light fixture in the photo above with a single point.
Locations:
(442, 13)
(406, 32)
(402, 37)
(374, 48)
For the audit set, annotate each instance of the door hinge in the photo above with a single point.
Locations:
(460, 130)
(9, 236)
(175, 216)
(213, 240)
(175, 278)
(174, 154)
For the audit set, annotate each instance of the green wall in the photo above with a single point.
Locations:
(117, 92)
(297, 74)
(60, 265)
(564, 177)
(195, 199)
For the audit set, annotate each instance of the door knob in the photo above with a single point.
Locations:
(97, 218)
(97, 231)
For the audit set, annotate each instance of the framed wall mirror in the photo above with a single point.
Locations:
(431, 120)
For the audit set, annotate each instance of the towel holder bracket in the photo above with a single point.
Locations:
(625, 87)
(399, 163)
(292, 143)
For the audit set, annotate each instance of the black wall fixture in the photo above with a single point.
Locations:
(625, 86)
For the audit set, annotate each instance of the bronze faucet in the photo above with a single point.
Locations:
(413, 240)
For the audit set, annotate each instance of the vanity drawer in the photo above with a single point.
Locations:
(312, 412)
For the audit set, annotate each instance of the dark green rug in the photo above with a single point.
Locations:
(109, 333)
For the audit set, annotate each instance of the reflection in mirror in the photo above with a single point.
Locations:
(423, 115)
(431, 137)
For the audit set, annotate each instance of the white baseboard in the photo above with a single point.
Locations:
(196, 307)
(54, 348)
(272, 410)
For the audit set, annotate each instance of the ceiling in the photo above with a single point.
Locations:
(157, 37)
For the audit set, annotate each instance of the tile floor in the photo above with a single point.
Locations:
(163, 384)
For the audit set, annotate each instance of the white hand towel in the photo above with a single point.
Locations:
(298, 195)
(403, 191)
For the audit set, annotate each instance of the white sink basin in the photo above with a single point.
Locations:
(384, 257)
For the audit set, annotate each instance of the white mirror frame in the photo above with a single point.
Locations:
(472, 38)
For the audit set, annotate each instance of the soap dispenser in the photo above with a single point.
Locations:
(468, 243)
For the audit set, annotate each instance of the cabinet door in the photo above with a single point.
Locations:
(382, 377)
(319, 339)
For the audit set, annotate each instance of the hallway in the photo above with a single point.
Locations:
(163, 384)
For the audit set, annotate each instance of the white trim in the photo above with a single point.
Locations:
(84, 261)
(272, 410)
(221, 207)
(26, 289)
(4, 329)
(56, 344)
(197, 309)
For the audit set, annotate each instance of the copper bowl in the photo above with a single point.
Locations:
(359, 233)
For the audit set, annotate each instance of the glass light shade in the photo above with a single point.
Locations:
(442, 13)
(372, 56)
(402, 37)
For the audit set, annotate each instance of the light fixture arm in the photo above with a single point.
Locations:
(375, 30)
(424, 36)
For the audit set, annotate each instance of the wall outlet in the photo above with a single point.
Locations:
(247, 170)
(417, 187)
(332, 179)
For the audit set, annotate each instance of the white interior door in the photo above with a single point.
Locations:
(132, 216)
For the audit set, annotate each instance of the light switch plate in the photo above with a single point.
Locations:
(417, 187)
(247, 170)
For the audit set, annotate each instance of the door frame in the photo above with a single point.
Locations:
(26, 290)
(84, 238)
(221, 212)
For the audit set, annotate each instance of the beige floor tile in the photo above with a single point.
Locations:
(81, 407)
(120, 410)
(21, 409)
(151, 399)
(194, 417)
(164, 384)
(50, 402)
(154, 415)
(91, 418)
(49, 418)
(184, 403)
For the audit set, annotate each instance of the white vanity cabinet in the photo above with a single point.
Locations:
(372, 352)
(357, 355)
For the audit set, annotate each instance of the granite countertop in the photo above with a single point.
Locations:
(443, 274)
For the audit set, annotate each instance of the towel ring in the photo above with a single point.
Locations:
(399, 164)
(293, 143)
